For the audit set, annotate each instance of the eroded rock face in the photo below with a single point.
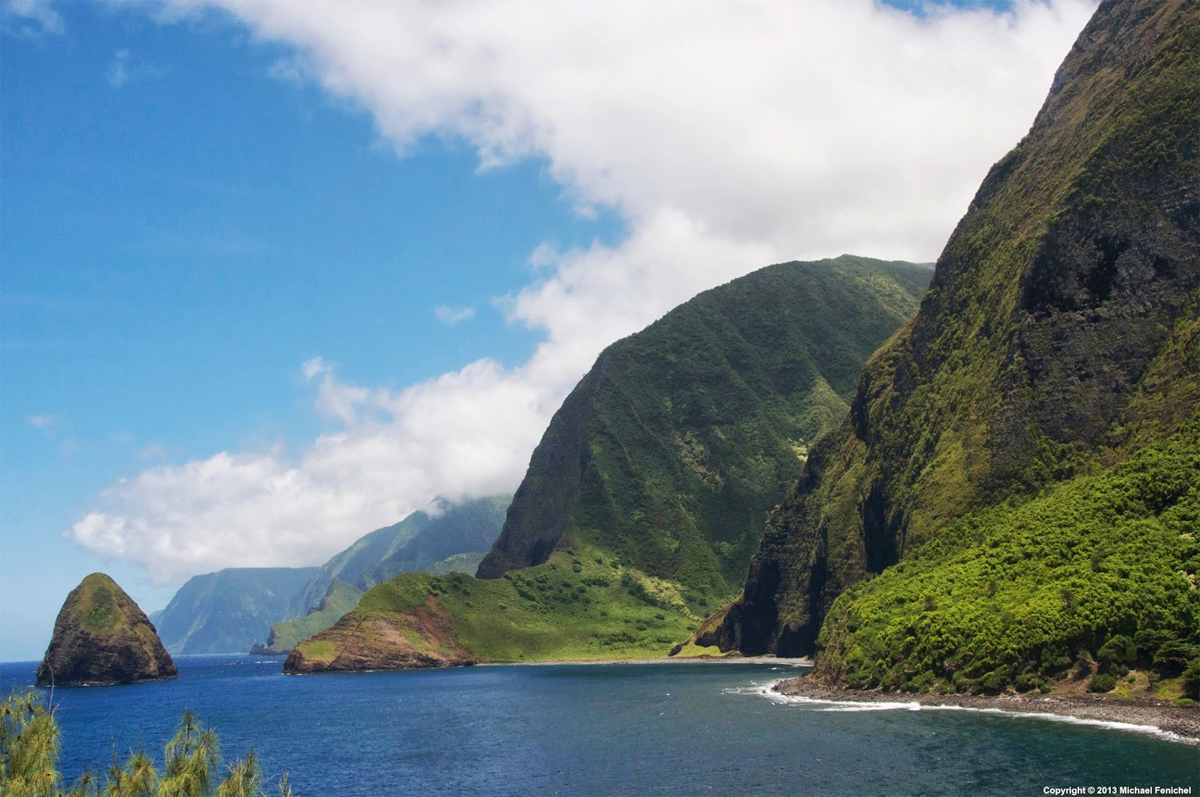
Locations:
(1062, 294)
(673, 448)
(102, 637)
(416, 639)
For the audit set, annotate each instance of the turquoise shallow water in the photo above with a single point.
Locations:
(673, 729)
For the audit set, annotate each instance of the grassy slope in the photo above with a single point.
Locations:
(102, 608)
(581, 604)
(339, 599)
(681, 438)
(1047, 329)
(691, 431)
(418, 542)
(699, 429)
(342, 598)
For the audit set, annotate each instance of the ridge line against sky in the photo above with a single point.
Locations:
(691, 142)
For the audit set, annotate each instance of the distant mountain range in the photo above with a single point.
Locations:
(233, 610)
(227, 611)
(451, 542)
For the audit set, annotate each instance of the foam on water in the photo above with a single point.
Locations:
(852, 706)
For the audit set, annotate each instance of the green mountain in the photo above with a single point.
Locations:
(102, 637)
(680, 439)
(458, 563)
(418, 542)
(339, 599)
(453, 541)
(230, 610)
(1022, 448)
(467, 528)
(648, 491)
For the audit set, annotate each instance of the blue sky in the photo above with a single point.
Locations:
(268, 283)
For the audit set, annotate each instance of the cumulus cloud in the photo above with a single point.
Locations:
(463, 434)
(726, 135)
(42, 421)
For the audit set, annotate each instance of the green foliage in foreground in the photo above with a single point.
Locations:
(1101, 568)
(30, 746)
(581, 604)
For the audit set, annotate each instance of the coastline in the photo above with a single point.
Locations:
(1146, 715)
(661, 660)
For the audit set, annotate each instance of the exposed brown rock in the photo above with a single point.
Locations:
(411, 640)
(102, 637)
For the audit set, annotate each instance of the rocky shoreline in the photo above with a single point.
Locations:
(661, 660)
(1183, 723)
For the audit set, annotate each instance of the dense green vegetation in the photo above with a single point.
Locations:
(30, 745)
(581, 604)
(230, 610)
(453, 541)
(1058, 334)
(338, 600)
(681, 438)
(1098, 574)
(649, 489)
(418, 542)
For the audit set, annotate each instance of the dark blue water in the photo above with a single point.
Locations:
(675, 729)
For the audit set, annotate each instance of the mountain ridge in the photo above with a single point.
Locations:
(727, 371)
(1058, 337)
(229, 610)
(650, 486)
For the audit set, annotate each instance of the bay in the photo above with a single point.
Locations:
(591, 730)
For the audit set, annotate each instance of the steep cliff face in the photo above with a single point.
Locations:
(401, 624)
(417, 543)
(1057, 334)
(339, 599)
(467, 528)
(230, 610)
(648, 491)
(102, 637)
(673, 448)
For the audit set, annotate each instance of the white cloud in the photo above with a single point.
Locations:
(42, 421)
(726, 135)
(30, 17)
(124, 68)
(153, 451)
(453, 316)
(118, 71)
(314, 367)
(463, 434)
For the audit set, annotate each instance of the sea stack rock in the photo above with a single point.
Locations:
(102, 637)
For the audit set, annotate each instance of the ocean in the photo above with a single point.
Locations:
(597, 730)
